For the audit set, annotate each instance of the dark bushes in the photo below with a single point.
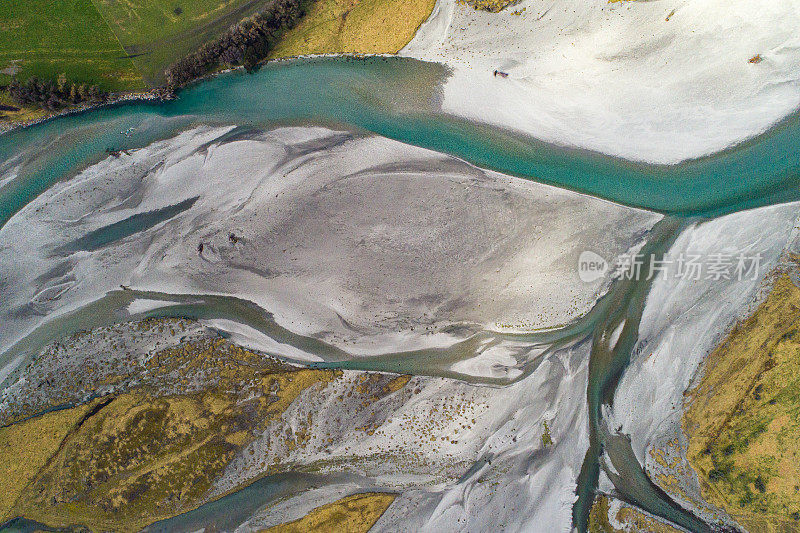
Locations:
(245, 43)
(54, 95)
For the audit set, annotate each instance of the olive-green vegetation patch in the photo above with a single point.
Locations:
(188, 367)
(493, 6)
(138, 459)
(631, 519)
(598, 517)
(743, 422)
(155, 446)
(152, 449)
(547, 439)
(135, 461)
(355, 26)
(46, 38)
(156, 33)
(20, 460)
(354, 514)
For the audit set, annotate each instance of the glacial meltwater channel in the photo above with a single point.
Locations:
(400, 99)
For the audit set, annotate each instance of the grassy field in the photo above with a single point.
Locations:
(120, 45)
(743, 422)
(156, 33)
(355, 26)
(20, 462)
(125, 45)
(46, 38)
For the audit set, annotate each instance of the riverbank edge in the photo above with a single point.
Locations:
(773, 289)
(158, 94)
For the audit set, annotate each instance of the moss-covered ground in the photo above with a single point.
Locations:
(353, 514)
(493, 6)
(20, 461)
(630, 520)
(123, 461)
(743, 420)
(155, 443)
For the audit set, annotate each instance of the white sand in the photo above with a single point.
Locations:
(142, 305)
(619, 78)
(423, 438)
(364, 242)
(685, 319)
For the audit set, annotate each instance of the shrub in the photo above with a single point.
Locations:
(54, 95)
(245, 43)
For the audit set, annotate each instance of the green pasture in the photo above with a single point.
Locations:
(48, 37)
(120, 45)
(155, 33)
